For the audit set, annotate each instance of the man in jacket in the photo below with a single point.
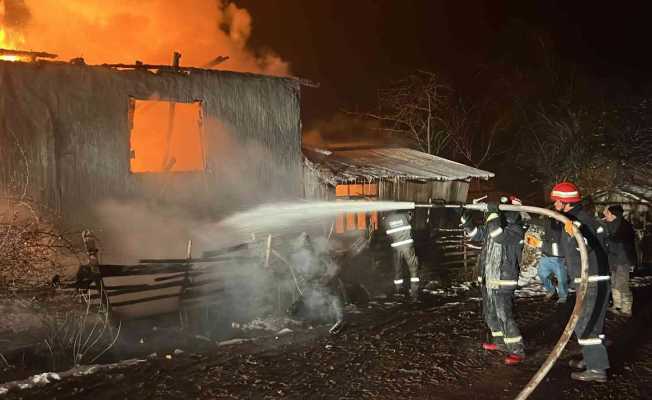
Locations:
(551, 263)
(621, 249)
(398, 229)
(502, 235)
(589, 326)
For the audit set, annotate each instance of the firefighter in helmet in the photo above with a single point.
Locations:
(502, 234)
(406, 280)
(589, 326)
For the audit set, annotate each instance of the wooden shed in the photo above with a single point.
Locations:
(398, 174)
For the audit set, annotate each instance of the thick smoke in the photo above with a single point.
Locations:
(123, 31)
(344, 130)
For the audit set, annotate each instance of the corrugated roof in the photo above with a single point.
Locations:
(387, 163)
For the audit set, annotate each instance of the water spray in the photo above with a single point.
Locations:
(284, 215)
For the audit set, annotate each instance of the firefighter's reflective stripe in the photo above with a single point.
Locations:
(564, 195)
(496, 232)
(501, 282)
(492, 216)
(473, 232)
(599, 230)
(402, 243)
(594, 278)
(497, 334)
(398, 281)
(515, 339)
(589, 341)
(480, 279)
(555, 249)
(395, 223)
(414, 279)
(399, 229)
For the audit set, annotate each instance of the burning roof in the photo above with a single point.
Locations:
(339, 166)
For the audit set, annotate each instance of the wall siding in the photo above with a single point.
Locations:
(64, 137)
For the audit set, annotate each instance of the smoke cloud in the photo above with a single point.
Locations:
(344, 130)
(123, 31)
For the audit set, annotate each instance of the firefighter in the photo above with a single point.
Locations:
(502, 234)
(406, 281)
(588, 330)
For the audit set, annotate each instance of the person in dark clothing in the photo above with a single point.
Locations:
(551, 262)
(621, 248)
(591, 320)
(502, 235)
(407, 281)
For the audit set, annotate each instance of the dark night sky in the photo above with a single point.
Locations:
(354, 47)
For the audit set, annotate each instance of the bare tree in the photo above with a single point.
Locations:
(473, 132)
(415, 106)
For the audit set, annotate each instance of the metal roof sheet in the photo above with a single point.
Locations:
(388, 163)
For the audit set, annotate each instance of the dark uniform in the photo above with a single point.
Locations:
(399, 230)
(499, 259)
(591, 320)
(621, 248)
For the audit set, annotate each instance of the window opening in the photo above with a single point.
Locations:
(165, 136)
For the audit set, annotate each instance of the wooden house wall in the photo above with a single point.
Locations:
(65, 132)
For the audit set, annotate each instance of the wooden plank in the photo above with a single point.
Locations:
(143, 300)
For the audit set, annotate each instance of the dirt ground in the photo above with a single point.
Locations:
(388, 350)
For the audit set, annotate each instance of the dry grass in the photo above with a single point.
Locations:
(33, 250)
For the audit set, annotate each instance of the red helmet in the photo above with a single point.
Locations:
(565, 192)
(510, 200)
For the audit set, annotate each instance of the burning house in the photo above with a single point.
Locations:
(75, 135)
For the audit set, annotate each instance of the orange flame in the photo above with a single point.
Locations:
(10, 40)
(123, 31)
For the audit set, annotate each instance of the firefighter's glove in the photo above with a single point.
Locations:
(533, 241)
(465, 220)
(569, 228)
(492, 207)
(493, 216)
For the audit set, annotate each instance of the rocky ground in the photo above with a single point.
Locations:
(388, 350)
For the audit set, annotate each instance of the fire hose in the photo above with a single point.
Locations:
(581, 292)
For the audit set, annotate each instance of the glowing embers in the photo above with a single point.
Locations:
(166, 136)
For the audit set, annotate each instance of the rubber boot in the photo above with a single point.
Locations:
(494, 346)
(514, 359)
(415, 292)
